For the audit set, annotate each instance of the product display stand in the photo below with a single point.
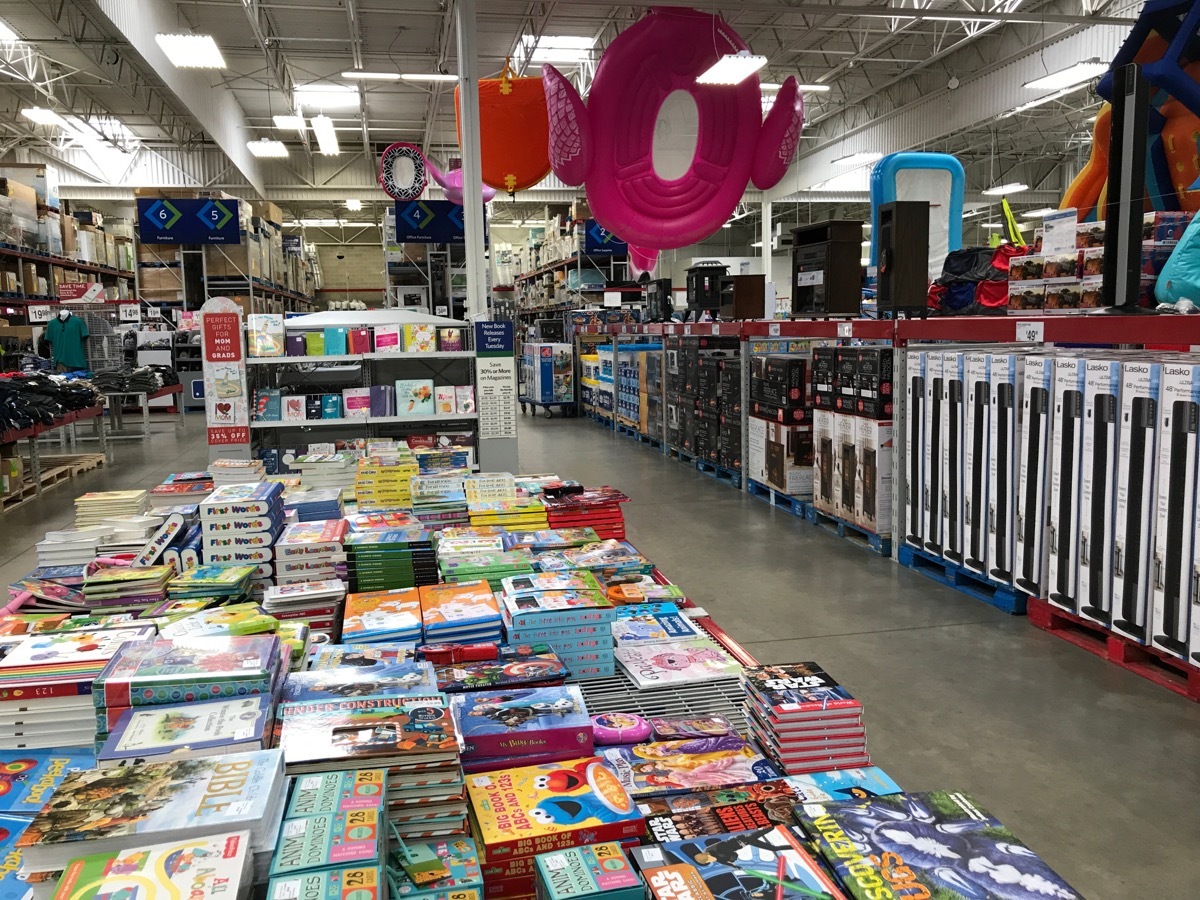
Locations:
(63, 430)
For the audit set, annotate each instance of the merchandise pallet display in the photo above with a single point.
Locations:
(41, 477)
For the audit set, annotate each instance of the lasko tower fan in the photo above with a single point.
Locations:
(1143, 411)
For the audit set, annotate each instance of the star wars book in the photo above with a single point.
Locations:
(675, 767)
(699, 813)
(795, 691)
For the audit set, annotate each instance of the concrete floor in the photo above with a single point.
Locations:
(1094, 767)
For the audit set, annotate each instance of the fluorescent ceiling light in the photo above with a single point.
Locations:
(44, 116)
(329, 223)
(290, 123)
(756, 243)
(769, 86)
(360, 75)
(858, 159)
(556, 48)
(1030, 104)
(267, 149)
(1040, 213)
(429, 77)
(1071, 76)
(814, 88)
(727, 225)
(327, 141)
(191, 51)
(327, 96)
(1014, 187)
(354, 205)
(990, 225)
(732, 68)
(7, 34)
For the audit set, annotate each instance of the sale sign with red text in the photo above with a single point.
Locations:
(226, 408)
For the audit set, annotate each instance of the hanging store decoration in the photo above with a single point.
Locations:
(513, 131)
(402, 171)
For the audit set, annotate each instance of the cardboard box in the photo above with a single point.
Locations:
(1062, 570)
(845, 465)
(160, 278)
(1062, 298)
(976, 450)
(789, 459)
(1175, 509)
(1097, 486)
(1026, 296)
(824, 366)
(1006, 373)
(873, 493)
(823, 437)
(914, 494)
(1137, 469)
(934, 418)
(953, 437)
(1033, 484)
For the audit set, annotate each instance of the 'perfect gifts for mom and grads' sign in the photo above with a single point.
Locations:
(226, 408)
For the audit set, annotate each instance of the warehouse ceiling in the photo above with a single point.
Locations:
(891, 71)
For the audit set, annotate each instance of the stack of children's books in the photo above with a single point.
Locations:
(382, 616)
(517, 813)
(493, 566)
(141, 805)
(316, 603)
(225, 583)
(388, 520)
(127, 588)
(804, 719)
(550, 539)
(518, 727)
(384, 482)
(598, 508)
(439, 500)
(412, 681)
(656, 664)
(311, 505)
(236, 471)
(330, 471)
(590, 872)
(130, 533)
(642, 623)
(609, 560)
(459, 541)
(635, 589)
(240, 524)
(46, 684)
(488, 666)
(480, 487)
(180, 621)
(399, 557)
(465, 612)
(71, 546)
(152, 698)
(94, 507)
(181, 487)
(309, 551)
(527, 514)
(568, 611)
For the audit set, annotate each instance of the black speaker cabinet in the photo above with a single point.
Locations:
(659, 303)
(704, 286)
(903, 275)
(827, 268)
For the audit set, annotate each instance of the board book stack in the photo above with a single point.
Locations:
(201, 868)
(146, 804)
(448, 458)
(385, 482)
(439, 500)
(222, 583)
(456, 541)
(130, 533)
(804, 719)
(652, 622)
(127, 588)
(170, 672)
(550, 539)
(596, 508)
(480, 487)
(188, 730)
(520, 812)
(577, 621)
(311, 505)
(591, 872)
(326, 840)
(311, 550)
(236, 471)
(492, 566)
(71, 546)
(339, 883)
(496, 666)
(515, 727)
(374, 616)
(655, 664)
(400, 557)
(934, 844)
(318, 604)
(213, 621)
(455, 856)
(459, 613)
(330, 471)
(630, 590)
(608, 560)
(525, 514)
(94, 507)
(240, 524)
(46, 685)
(180, 488)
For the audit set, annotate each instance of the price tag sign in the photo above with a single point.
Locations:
(845, 329)
(1031, 332)
(129, 312)
(773, 329)
(40, 314)
(687, 329)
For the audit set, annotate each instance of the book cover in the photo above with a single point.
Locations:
(308, 539)
(28, 778)
(451, 606)
(524, 664)
(295, 345)
(235, 619)
(347, 883)
(352, 731)
(195, 729)
(631, 593)
(314, 343)
(675, 817)
(365, 656)
(938, 844)
(675, 662)
(450, 340)
(550, 581)
(205, 868)
(268, 405)
(529, 720)
(265, 334)
(780, 691)
(383, 400)
(143, 802)
(212, 580)
(558, 609)
(324, 840)
(382, 614)
(398, 680)
(336, 340)
(387, 339)
(653, 622)
(414, 397)
(443, 398)
(357, 402)
(331, 406)
(359, 340)
(458, 855)
(589, 871)
(295, 408)
(842, 784)
(420, 338)
(237, 500)
(519, 812)
(69, 653)
(332, 792)
(768, 862)
(13, 885)
(675, 767)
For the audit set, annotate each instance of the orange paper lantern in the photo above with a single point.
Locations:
(513, 131)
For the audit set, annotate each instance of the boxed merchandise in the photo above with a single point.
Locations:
(1063, 297)
(953, 437)
(845, 464)
(1060, 267)
(1091, 291)
(873, 493)
(1175, 509)
(1091, 262)
(1025, 268)
(845, 366)
(976, 373)
(1089, 234)
(1097, 487)
(824, 366)
(1030, 496)
(873, 383)
(1062, 570)
(796, 415)
(1133, 529)
(1005, 379)
(1164, 226)
(789, 458)
(932, 411)
(914, 500)
(1026, 296)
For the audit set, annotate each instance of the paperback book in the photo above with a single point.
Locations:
(676, 767)
(741, 808)
(653, 622)
(653, 664)
(29, 778)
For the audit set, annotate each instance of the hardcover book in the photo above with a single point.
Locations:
(366, 656)
(796, 690)
(235, 619)
(741, 808)
(28, 778)
(405, 679)
(325, 735)
(698, 764)
(333, 792)
(238, 500)
(67, 653)
(576, 873)
(551, 581)
(420, 338)
(325, 840)
(654, 664)
(414, 397)
(264, 334)
(13, 884)
(523, 664)
(189, 730)
(348, 883)
(557, 609)
(458, 855)
(387, 339)
(528, 720)
(380, 615)
(653, 622)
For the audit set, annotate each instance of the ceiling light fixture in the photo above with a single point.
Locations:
(769, 86)
(191, 51)
(568, 49)
(329, 223)
(1013, 187)
(44, 116)
(1072, 76)
(814, 88)
(267, 149)
(327, 141)
(858, 159)
(993, 225)
(326, 96)
(429, 76)
(1030, 104)
(1040, 213)
(7, 34)
(732, 68)
(359, 75)
(354, 205)
(290, 123)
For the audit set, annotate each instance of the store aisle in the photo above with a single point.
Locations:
(1094, 767)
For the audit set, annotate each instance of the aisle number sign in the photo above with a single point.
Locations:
(179, 221)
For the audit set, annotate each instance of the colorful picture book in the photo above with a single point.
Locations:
(698, 764)
(457, 855)
(234, 619)
(842, 784)
(740, 808)
(524, 720)
(189, 730)
(407, 679)
(320, 841)
(524, 664)
(364, 656)
(797, 690)
(657, 663)
(580, 873)
(332, 792)
(653, 622)
(28, 778)
(344, 883)
(382, 615)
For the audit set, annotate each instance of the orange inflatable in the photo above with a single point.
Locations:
(1086, 189)
(514, 131)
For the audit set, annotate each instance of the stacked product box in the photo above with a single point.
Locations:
(240, 524)
(780, 450)
(682, 378)
(567, 610)
(548, 373)
(718, 411)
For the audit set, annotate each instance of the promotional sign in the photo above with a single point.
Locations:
(81, 292)
(599, 241)
(431, 222)
(226, 408)
(129, 312)
(496, 395)
(175, 221)
(291, 245)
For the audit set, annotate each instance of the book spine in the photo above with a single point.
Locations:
(609, 831)
(135, 692)
(563, 618)
(238, 510)
(18, 696)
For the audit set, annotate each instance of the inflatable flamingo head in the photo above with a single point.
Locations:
(607, 143)
(452, 184)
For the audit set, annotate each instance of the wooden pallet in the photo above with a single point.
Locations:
(1002, 596)
(1152, 664)
(78, 463)
(51, 477)
(851, 531)
(772, 497)
(634, 434)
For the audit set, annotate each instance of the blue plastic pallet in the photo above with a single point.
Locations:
(772, 497)
(684, 456)
(636, 435)
(1002, 596)
(856, 534)
(731, 477)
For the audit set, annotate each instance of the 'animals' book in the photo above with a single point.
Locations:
(346, 883)
(580, 873)
(323, 840)
(333, 792)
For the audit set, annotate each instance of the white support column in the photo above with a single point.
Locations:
(472, 154)
(766, 237)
